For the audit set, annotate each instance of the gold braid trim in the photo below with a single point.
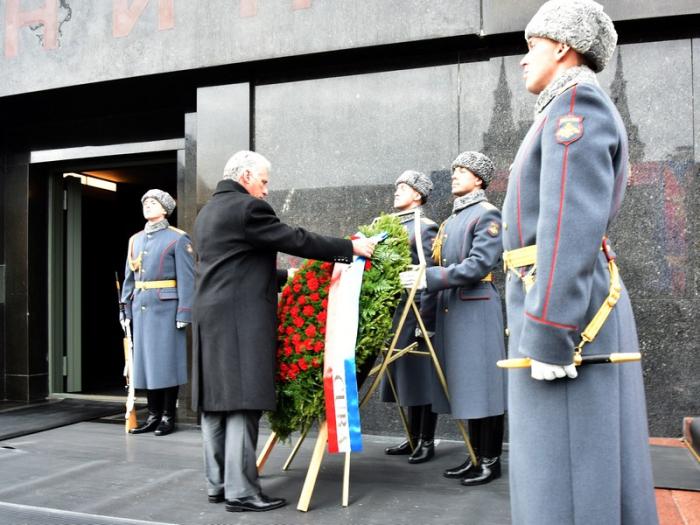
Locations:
(437, 244)
(134, 263)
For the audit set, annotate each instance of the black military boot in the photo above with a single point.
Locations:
(425, 450)
(404, 448)
(490, 469)
(155, 412)
(167, 422)
(460, 471)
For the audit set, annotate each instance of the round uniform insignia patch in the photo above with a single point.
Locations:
(569, 129)
(493, 229)
(189, 248)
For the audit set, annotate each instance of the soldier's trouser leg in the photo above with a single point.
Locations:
(230, 440)
(414, 425)
(486, 435)
(425, 450)
(155, 400)
(167, 422)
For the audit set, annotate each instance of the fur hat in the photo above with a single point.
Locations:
(581, 24)
(418, 181)
(478, 163)
(163, 197)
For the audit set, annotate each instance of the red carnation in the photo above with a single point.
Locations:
(324, 303)
(287, 351)
(297, 288)
(312, 284)
(308, 310)
(302, 300)
(299, 322)
(315, 363)
(321, 317)
(310, 331)
(303, 364)
(294, 311)
(289, 330)
(318, 347)
(296, 338)
(315, 297)
(368, 264)
(327, 266)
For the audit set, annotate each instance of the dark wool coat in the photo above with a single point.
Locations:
(237, 237)
(578, 447)
(160, 349)
(469, 336)
(411, 373)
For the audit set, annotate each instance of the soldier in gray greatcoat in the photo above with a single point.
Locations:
(578, 437)
(469, 336)
(158, 289)
(411, 373)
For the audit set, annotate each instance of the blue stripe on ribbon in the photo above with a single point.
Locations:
(353, 406)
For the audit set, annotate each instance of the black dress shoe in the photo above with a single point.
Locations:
(166, 426)
(215, 498)
(403, 449)
(490, 469)
(149, 426)
(258, 503)
(425, 450)
(459, 471)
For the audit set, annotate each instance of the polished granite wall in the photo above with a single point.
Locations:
(337, 145)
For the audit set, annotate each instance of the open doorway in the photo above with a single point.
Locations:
(96, 208)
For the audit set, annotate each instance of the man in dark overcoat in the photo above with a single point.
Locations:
(578, 437)
(469, 336)
(411, 373)
(157, 294)
(237, 237)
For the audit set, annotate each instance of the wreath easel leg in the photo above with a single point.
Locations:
(314, 466)
(296, 448)
(265, 452)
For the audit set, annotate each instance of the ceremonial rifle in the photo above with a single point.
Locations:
(130, 414)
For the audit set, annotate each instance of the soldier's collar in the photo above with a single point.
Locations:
(152, 228)
(570, 77)
(407, 215)
(467, 200)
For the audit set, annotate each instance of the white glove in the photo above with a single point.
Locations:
(125, 323)
(419, 333)
(180, 325)
(545, 371)
(409, 278)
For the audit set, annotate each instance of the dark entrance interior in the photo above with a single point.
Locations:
(107, 220)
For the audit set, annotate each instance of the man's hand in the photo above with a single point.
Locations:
(180, 325)
(363, 247)
(545, 371)
(409, 278)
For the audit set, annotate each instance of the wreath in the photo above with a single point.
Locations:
(302, 314)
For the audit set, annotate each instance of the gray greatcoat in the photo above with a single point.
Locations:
(160, 349)
(469, 335)
(578, 447)
(411, 373)
(237, 237)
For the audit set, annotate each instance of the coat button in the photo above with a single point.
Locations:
(445, 310)
(145, 252)
(507, 332)
(505, 225)
(143, 308)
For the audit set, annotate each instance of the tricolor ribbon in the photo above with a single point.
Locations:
(339, 378)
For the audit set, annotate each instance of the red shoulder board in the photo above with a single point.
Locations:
(569, 129)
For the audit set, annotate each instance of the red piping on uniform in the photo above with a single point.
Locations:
(525, 154)
(551, 323)
(162, 257)
(561, 213)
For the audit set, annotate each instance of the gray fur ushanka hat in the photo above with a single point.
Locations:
(416, 180)
(163, 197)
(478, 163)
(581, 24)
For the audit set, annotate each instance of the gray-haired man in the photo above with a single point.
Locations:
(578, 441)
(237, 236)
